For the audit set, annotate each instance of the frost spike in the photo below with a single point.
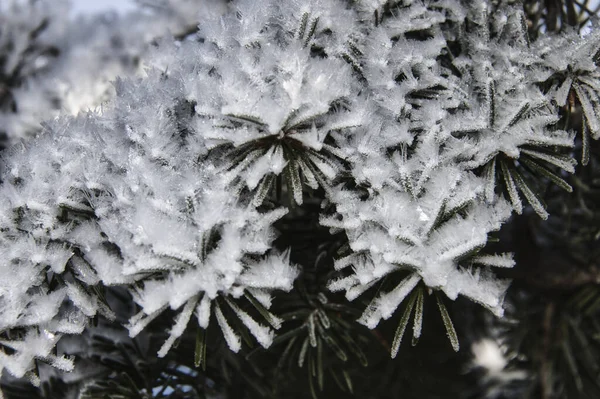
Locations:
(293, 180)
(138, 322)
(591, 84)
(303, 23)
(354, 292)
(248, 118)
(532, 198)
(448, 323)
(324, 165)
(322, 179)
(524, 108)
(464, 249)
(402, 326)
(233, 340)
(391, 300)
(503, 260)
(524, 28)
(273, 320)
(565, 163)
(309, 177)
(264, 335)
(562, 92)
(588, 111)
(62, 363)
(311, 32)
(80, 298)
(585, 144)
(534, 166)
(263, 190)
(511, 188)
(182, 321)
(492, 104)
(418, 322)
(203, 312)
(490, 180)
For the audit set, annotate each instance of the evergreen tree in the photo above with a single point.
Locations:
(290, 191)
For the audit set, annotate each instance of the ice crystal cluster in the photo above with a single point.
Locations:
(52, 61)
(423, 123)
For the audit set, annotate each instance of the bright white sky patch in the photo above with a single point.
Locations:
(92, 6)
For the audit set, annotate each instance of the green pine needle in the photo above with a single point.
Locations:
(418, 321)
(402, 325)
(451, 332)
(200, 352)
(538, 168)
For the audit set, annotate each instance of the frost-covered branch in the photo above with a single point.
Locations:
(420, 125)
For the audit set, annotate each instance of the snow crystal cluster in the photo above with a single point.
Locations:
(53, 62)
(423, 122)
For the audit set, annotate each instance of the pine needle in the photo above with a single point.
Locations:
(200, 351)
(402, 325)
(511, 188)
(418, 321)
(450, 331)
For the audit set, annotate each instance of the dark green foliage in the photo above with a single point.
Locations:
(557, 15)
(554, 325)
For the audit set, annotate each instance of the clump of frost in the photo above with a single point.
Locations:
(424, 233)
(166, 212)
(266, 101)
(54, 64)
(119, 197)
(420, 205)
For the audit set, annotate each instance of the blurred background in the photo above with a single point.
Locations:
(91, 6)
